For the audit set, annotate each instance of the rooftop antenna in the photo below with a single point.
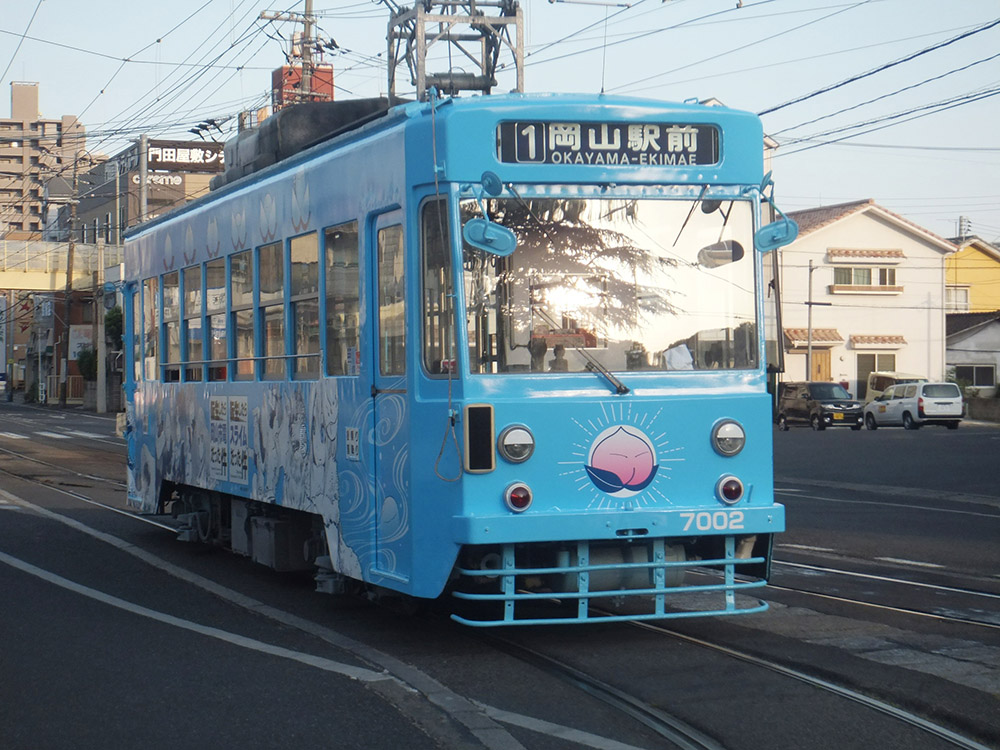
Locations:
(462, 25)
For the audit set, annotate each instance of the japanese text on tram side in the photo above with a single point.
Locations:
(229, 439)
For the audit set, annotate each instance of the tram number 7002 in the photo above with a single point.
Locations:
(720, 520)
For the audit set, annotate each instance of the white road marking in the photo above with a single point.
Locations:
(879, 504)
(904, 561)
(56, 435)
(574, 736)
(13, 436)
(328, 665)
(459, 708)
(84, 434)
(806, 547)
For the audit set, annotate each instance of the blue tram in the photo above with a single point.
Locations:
(506, 349)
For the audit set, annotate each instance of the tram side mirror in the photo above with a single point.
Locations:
(483, 233)
(494, 239)
(710, 206)
(776, 234)
(720, 253)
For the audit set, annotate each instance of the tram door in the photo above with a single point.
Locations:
(391, 428)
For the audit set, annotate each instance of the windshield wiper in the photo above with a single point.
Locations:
(592, 364)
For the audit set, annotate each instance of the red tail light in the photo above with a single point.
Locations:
(920, 406)
(517, 497)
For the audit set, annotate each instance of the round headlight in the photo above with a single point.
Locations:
(728, 437)
(516, 443)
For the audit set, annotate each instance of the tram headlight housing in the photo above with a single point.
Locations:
(728, 437)
(516, 443)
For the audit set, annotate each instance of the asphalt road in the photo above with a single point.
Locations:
(101, 646)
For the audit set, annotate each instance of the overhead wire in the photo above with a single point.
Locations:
(21, 41)
(887, 95)
(934, 108)
(762, 40)
(880, 68)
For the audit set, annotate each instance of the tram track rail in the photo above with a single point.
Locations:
(907, 717)
(993, 597)
(684, 735)
(671, 728)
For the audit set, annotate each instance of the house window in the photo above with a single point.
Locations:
(864, 276)
(956, 298)
(983, 376)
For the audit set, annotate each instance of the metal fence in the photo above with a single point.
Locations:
(74, 389)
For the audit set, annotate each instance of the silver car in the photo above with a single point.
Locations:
(913, 405)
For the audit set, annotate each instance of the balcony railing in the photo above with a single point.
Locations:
(37, 256)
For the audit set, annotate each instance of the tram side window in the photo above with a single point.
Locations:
(304, 252)
(215, 308)
(241, 296)
(171, 327)
(136, 339)
(391, 301)
(438, 302)
(191, 324)
(271, 273)
(343, 282)
(151, 329)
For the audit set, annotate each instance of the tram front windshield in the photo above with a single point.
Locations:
(618, 284)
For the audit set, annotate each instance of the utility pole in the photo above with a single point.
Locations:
(63, 377)
(809, 341)
(307, 20)
(101, 346)
(143, 177)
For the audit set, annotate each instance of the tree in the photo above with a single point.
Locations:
(87, 363)
(113, 327)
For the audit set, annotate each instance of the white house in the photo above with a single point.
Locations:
(974, 350)
(862, 289)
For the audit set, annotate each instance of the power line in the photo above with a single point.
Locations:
(891, 93)
(768, 38)
(879, 69)
(21, 40)
(939, 107)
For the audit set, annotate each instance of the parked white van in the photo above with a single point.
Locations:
(915, 404)
(879, 381)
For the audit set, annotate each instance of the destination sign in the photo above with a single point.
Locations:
(624, 144)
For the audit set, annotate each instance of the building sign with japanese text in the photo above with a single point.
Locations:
(175, 156)
(608, 143)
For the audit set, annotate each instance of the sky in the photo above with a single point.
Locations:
(893, 100)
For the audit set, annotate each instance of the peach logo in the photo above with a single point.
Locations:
(621, 461)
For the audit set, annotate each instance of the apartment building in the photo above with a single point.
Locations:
(33, 149)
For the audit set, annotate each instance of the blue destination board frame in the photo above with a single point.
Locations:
(608, 143)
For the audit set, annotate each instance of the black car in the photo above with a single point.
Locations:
(819, 405)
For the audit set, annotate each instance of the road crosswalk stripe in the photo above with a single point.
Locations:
(78, 433)
(55, 435)
(13, 436)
